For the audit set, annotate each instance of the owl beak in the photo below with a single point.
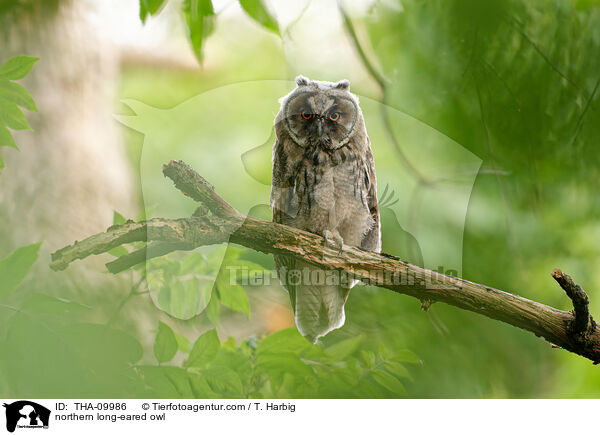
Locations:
(320, 127)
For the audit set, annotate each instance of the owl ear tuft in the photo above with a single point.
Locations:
(342, 84)
(302, 81)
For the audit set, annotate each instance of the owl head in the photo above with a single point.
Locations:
(319, 114)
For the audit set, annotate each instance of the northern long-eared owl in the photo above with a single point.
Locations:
(323, 182)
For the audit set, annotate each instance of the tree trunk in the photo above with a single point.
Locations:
(71, 172)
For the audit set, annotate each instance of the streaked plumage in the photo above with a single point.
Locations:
(323, 182)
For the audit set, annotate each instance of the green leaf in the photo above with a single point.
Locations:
(196, 297)
(199, 15)
(286, 362)
(229, 344)
(183, 344)
(353, 369)
(39, 303)
(181, 297)
(233, 296)
(101, 344)
(78, 359)
(345, 348)
(17, 67)
(405, 355)
(201, 388)
(165, 344)
(257, 11)
(179, 378)
(286, 340)
(276, 366)
(384, 353)
(118, 218)
(205, 349)
(386, 380)
(213, 309)
(17, 94)
(397, 369)
(167, 381)
(194, 262)
(6, 139)
(238, 361)
(118, 251)
(157, 381)
(368, 358)
(12, 117)
(143, 12)
(1, 162)
(276, 379)
(149, 7)
(223, 380)
(15, 267)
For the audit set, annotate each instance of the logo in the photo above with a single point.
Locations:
(26, 414)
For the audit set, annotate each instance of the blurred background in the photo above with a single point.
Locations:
(484, 122)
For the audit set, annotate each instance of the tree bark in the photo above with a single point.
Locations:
(217, 222)
(71, 171)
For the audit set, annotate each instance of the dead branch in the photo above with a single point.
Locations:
(215, 221)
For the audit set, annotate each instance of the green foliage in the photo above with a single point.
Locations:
(514, 82)
(13, 96)
(388, 381)
(15, 267)
(183, 288)
(189, 284)
(95, 360)
(150, 7)
(40, 303)
(165, 344)
(258, 11)
(233, 296)
(344, 349)
(11, 116)
(17, 94)
(199, 15)
(282, 364)
(205, 349)
(118, 218)
(183, 344)
(17, 68)
(200, 18)
(49, 350)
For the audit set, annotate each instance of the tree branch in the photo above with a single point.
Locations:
(582, 318)
(217, 222)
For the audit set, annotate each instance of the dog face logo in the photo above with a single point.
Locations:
(26, 414)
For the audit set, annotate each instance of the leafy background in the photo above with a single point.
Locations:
(513, 82)
(12, 97)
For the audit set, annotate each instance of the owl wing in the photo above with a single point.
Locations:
(284, 206)
(372, 240)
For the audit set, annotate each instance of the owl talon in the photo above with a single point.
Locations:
(333, 240)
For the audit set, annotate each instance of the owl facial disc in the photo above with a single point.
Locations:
(322, 118)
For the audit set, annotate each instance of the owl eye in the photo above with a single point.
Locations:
(307, 115)
(334, 116)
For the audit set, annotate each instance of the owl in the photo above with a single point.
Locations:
(323, 182)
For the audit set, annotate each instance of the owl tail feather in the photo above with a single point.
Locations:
(319, 309)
